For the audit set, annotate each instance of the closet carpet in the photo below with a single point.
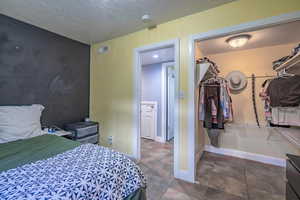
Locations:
(220, 177)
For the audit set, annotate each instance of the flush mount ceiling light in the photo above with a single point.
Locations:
(155, 56)
(238, 41)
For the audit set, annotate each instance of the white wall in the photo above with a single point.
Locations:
(151, 88)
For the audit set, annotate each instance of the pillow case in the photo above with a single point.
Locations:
(20, 122)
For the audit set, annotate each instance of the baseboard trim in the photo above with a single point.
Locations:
(160, 139)
(246, 155)
(184, 175)
(198, 157)
(130, 156)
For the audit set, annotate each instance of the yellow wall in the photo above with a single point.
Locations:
(112, 93)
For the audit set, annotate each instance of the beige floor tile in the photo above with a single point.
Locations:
(220, 177)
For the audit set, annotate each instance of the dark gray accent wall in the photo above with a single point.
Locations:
(40, 67)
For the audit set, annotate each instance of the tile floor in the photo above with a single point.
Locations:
(220, 177)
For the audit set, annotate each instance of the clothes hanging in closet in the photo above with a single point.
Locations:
(213, 117)
(264, 96)
(281, 98)
(284, 91)
(215, 106)
(286, 116)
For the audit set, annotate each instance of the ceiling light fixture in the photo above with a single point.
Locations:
(155, 56)
(238, 41)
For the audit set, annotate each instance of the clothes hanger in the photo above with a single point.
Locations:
(284, 74)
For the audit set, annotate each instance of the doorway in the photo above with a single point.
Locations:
(157, 118)
(197, 149)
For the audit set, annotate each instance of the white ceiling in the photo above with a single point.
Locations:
(91, 21)
(276, 35)
(164, 55)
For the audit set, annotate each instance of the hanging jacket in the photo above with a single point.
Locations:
(212, 105)
(225, 101)
(284, 92)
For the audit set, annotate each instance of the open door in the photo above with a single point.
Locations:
(170, 102)
(148, 120)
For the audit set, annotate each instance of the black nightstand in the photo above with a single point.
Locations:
(293, 177)
(84, 132)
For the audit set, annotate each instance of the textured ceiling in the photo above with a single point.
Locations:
(91, 21)
(276, 35)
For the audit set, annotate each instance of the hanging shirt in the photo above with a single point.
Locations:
(225, 101)
(266, 99)
(213, 111)
(284, 92)
(214, 100)
(287, 116)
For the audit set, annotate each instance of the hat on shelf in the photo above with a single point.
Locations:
(236, 80)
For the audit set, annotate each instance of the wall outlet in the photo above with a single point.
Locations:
(110, 140)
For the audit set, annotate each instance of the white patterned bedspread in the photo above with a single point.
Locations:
(86, 172)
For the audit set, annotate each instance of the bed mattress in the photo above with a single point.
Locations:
(52, 167)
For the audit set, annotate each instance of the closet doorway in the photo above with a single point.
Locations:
(157, 89)
(253, 133)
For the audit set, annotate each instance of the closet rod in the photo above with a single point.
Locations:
(211, 85)
(262, 76)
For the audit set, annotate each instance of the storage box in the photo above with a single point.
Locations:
(85, 132)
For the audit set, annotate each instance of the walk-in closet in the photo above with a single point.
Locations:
(247, 94)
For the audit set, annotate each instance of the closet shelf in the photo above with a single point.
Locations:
(290, 63)
(204, 69)
(291, 134)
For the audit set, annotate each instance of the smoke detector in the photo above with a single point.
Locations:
(146, 19)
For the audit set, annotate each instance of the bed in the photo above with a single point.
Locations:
(53, 167)
(35, 165)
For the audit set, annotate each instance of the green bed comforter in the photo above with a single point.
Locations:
(18, 153)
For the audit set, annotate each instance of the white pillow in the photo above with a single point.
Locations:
(20, 122)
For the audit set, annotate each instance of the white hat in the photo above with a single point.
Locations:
(236, 80)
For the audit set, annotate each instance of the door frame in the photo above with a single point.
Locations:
(164, 100)
(137, 98)
(248, 26)
(154, 103)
